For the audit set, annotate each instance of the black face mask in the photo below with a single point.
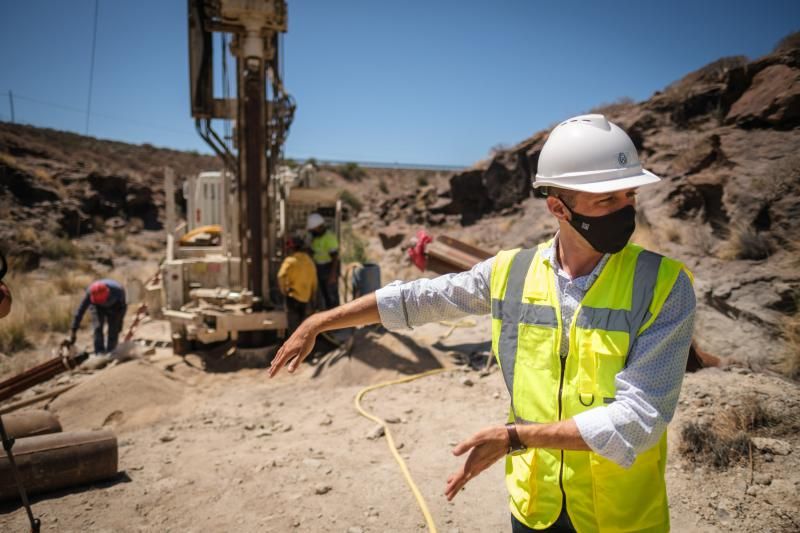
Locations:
(608, 234)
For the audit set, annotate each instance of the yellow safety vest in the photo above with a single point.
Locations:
(323, 246)
(623, 301)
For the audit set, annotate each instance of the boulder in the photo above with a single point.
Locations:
(508, 179)
(697, 158)
(390, 239)
(773, 100)
(26, 188)
(470, 197)
(710, 90)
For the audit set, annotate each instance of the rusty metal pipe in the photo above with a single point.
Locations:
(60, 460)
(39, 374)
(31, 423)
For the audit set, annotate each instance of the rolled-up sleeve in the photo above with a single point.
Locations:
(648, 387)
(406, 305)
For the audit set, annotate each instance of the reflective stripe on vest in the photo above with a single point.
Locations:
(526, 331)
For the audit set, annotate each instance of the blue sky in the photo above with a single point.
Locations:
(428, 82)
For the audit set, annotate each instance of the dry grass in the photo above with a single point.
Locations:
(59, 248)
(37, 308)
(791, 332)
(745, 242)
(727, 439)
(353, 247)
(67, 282)
(8, 160)
(699, 238)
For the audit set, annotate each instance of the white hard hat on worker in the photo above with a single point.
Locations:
(590, 154)
(314, 221)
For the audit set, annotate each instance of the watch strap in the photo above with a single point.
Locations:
(514, 442)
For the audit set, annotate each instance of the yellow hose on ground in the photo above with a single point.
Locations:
(390, 441)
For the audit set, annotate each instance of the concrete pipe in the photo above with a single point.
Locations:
(31, 423)
(58, 461)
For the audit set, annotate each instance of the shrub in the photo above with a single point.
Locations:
(353, 247)
(727, 440)
(382, 186)
(351, 172)
(422, 181)
(352, 201)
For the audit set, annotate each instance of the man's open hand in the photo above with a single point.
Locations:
(488, 446)
(295, 349)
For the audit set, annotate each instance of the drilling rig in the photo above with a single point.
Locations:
(222, 286)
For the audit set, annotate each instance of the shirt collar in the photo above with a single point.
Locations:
(584, 282)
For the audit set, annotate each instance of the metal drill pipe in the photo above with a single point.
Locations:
(39, 374)
(61, 460)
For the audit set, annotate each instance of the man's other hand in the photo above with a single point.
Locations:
(295, 349)
(488, 446)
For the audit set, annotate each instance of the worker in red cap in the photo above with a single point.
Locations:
(106, 300)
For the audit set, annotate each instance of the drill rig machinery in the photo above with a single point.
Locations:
(225, 288)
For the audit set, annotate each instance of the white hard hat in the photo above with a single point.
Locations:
(314, 220)
(589, 153)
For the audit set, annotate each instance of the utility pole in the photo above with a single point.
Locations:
(11, 104)
(91, 68)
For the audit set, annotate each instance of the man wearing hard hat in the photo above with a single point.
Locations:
(591, 334)
(325, 250)
(105, 299)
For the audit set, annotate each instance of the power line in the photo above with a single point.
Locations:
(71, 109)
(91, 68)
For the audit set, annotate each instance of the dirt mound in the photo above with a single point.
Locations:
(123, 397)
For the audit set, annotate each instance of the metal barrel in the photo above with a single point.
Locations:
(31, 423)
(58, 461)
(366, 279)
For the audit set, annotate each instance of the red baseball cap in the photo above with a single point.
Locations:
(98, 292)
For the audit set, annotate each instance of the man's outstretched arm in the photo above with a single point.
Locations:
(397, 306)
(360, 312)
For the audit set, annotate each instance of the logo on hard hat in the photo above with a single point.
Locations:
(622, 158)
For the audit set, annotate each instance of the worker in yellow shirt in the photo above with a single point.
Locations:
(297, 279)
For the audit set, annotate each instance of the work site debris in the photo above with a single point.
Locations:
(321, 489)
(376, 433)
(774, 446)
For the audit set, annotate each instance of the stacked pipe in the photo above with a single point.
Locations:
(49, 460)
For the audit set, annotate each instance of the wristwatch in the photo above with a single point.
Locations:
(515, 446)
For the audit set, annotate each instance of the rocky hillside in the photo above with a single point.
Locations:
(85, 178)
(725, 138)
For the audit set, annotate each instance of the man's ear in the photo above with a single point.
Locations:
(556, 206)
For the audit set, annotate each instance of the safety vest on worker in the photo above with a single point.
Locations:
(323, 246)
(623, 301)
